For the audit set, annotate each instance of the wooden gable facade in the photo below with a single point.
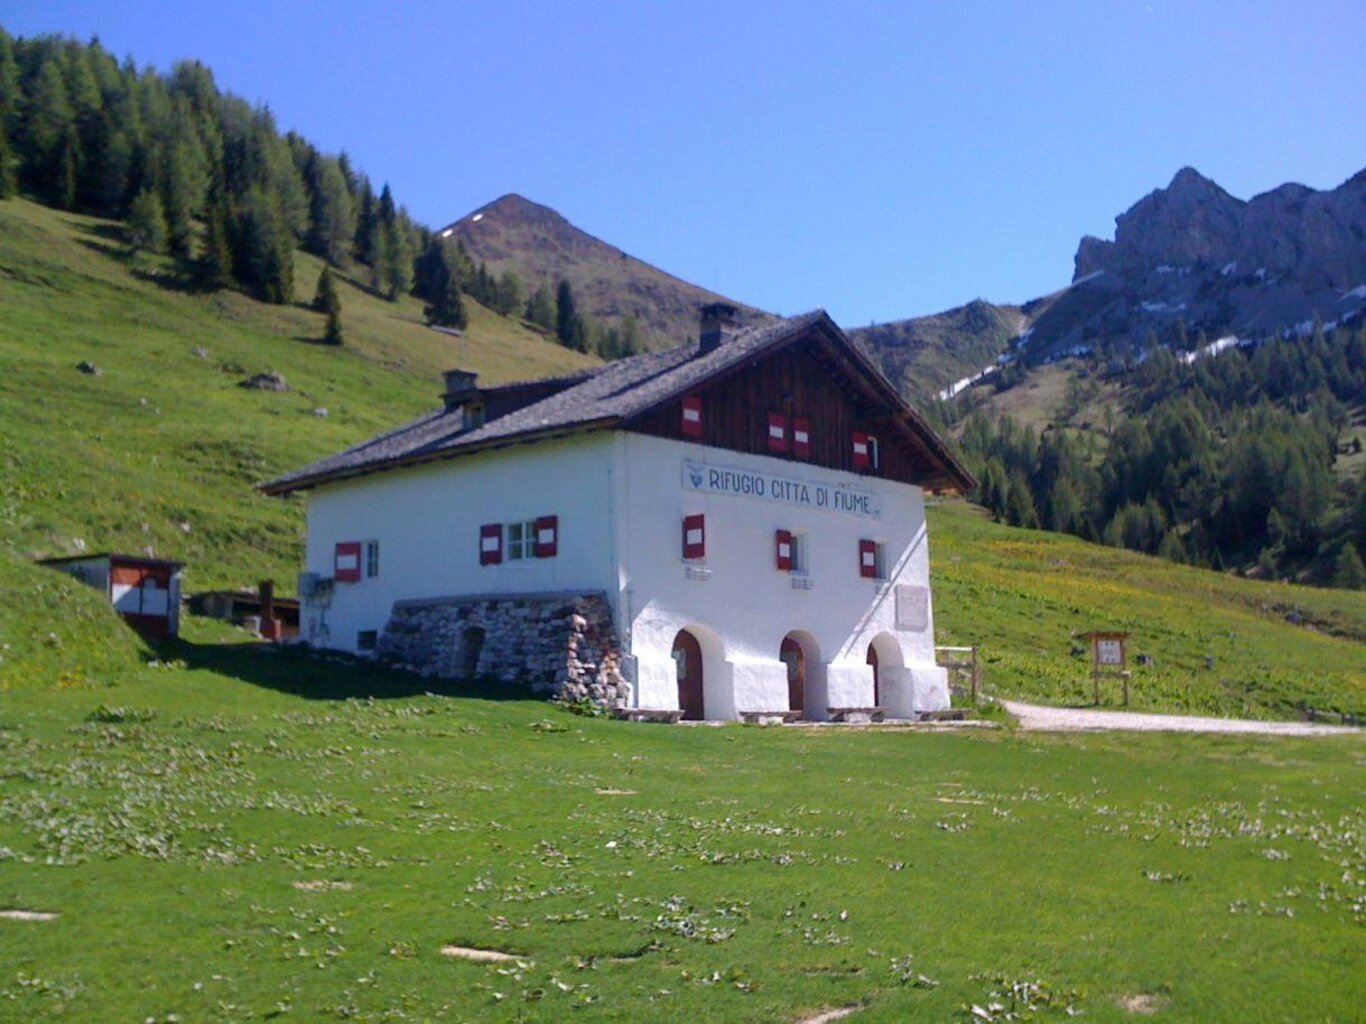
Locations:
(808, 401)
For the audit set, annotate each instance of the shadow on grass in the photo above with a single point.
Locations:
(111, 240)
(327, 675)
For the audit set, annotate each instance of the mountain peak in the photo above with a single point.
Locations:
(507, 210)
(544, 247)
(1189, 178)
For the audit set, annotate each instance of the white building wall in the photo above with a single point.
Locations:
(620, 498)
(427, 522)
(741, 606)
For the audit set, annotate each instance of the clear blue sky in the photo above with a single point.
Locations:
(880, 160)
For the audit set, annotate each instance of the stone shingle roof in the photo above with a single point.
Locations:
(604, 396)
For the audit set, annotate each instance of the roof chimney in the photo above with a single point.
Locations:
(717, 324)
(460, 388)
(462, 396)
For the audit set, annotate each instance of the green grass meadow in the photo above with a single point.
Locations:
(1027, 597)
(254, 834)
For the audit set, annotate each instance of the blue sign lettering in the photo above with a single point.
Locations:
(730, 480)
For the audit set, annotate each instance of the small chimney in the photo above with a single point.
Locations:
(717, 324)
(460, 388)
(462, 396)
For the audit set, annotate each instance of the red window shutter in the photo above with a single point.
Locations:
(801, 438)
(867, 559)
(692, 416)
(491, 544)
(695, 536)
(346, 562)
(547, 536)
(777, 433)
(782, 550)
(862, 447)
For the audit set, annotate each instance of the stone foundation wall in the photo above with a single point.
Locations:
(565, 644)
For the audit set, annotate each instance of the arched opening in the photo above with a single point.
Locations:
(471, 647)
(687, 655)
(792, 655)
(883, 653)
(800, 653)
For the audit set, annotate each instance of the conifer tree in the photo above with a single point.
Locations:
(9, 181)
(213, 270)
(365, 224)
(332, 333)
(1348, 571)
(540, 308)
(48, 120)
(327, 301)
(147, 223)
(429, 267)
(9, 86)
(263, 249)
(110, 166)
(570, 328)
(396, 262)
(447, 306)
(508, 293)
(329, 208)
(62, 186)
(325, 298)
(565, 312)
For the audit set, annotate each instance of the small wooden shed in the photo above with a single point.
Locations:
(145, 591)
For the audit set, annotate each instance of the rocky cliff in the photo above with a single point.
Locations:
(1190, 258)
(1295, 234)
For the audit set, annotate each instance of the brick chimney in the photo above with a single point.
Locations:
(718, 322)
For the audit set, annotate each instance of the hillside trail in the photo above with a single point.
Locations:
(1038, 718)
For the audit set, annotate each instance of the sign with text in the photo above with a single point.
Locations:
(746, 483)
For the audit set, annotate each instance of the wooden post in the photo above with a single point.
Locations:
(976, 679)
(270, 628)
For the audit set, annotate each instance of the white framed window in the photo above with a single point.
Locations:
(800, 565)
(371, 559)
(874, 454)
(521, 541)
(879, 560)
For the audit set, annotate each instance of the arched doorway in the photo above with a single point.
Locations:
(687, 655)
(884, 654)
(471, 647)
(877, 685)
(792, 655)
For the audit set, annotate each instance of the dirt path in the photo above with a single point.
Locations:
(1046, 719)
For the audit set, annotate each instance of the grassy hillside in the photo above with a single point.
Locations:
(162, 449)
(924, 355)
(264, 848)
(1026, 597)
(56, 633)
